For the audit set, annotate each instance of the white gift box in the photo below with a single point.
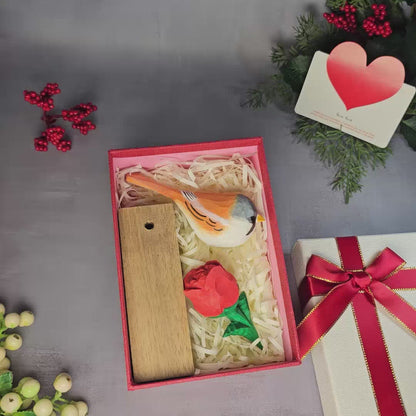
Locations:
(340, 367)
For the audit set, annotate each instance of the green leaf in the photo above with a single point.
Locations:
(24, 413)
(235, 315)
(242, 305)
(241, 323)
(249, 333)
(6, 382)
(236, 328)
(408, 129)
(294, 72)
(239, 312)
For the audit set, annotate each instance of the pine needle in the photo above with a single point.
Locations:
(349, 157)
(268, 92)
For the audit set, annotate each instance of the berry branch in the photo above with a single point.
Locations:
(376, 25)
(55, 134)
(24, 400)
(346, 19)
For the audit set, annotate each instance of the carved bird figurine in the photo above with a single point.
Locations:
(218, 219)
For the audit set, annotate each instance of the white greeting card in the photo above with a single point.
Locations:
(367, 102)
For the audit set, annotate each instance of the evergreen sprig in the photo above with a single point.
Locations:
(349, 157)
(411, 111)
(272, 90)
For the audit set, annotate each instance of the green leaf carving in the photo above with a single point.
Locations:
(238, 329)
(241, 323)
(234, 328)
(234, 314)
(24, 413)
(242, 304)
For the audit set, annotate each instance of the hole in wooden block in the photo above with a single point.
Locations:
(149, 226)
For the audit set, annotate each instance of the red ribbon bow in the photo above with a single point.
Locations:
(360, 286)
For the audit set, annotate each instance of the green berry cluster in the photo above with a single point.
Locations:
(24, 400)
(11, 341)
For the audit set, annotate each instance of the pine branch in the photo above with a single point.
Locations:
(294, 72)
(270, 91)
(334, 5)
(359, 4)
(279, 56)
(306, 27)
(309, 35)
(411, 110)
(349, 157)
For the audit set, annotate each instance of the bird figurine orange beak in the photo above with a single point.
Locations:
(218, 219)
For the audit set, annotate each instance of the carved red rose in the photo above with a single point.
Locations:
(211, 289)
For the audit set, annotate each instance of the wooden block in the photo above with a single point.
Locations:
(160, 342)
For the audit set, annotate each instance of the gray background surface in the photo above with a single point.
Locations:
(161, 72)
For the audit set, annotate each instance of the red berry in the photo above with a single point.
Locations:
(54, 134)
(64, 145)
(347, 21)
(79, 112)
(84, 126)
(375, 25)
(50, 89)
(41, 145)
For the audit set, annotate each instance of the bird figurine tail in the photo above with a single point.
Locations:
(138, 179)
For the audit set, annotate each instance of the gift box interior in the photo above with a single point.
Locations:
(258, 264)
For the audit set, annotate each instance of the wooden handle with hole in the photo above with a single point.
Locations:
(160, 342)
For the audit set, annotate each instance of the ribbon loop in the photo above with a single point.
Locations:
(322, 269)
(385, 265)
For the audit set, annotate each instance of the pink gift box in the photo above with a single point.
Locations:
(253, 147)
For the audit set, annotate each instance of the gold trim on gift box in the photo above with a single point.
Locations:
(395, 317)
(311, 311)
(395, 271)
(365, 358)
(324, 280)
(387, 353)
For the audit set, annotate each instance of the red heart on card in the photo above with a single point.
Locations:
(358, 84)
